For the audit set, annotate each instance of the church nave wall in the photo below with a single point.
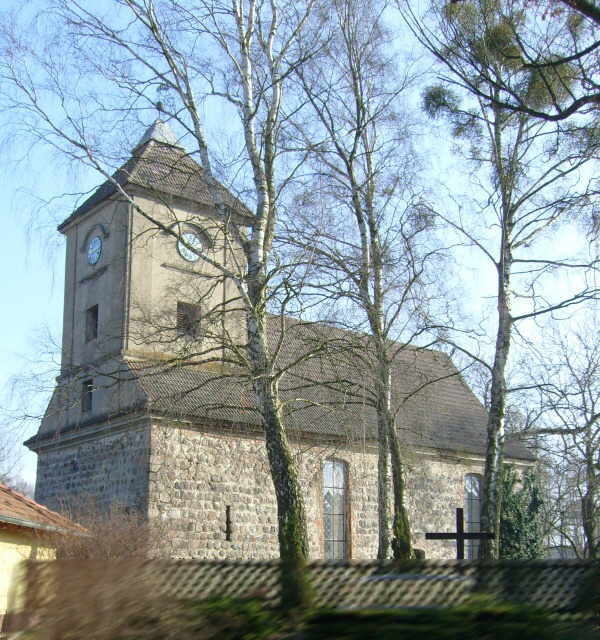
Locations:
(435, 488)
(185, 478)
(195, 475)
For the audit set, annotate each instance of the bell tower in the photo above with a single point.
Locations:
(146, 256)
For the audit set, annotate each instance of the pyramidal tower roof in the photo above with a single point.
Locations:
(159, 131)
(164, 168)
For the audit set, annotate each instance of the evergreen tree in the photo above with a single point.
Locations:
(521, 516)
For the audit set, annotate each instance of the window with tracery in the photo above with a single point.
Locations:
(335, 509)
(473, 484)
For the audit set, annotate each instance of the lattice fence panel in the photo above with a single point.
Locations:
(553, 585)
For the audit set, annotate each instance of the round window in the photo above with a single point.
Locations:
(94, 249)
(189, 246)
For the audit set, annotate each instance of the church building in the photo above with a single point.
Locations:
(150, 416)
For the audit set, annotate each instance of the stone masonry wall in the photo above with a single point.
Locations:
(195, 475)
(435, 488)
(184, 479)
(96, 472)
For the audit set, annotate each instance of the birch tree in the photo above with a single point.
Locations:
(359, 220)
(530, 179)
(240, 53)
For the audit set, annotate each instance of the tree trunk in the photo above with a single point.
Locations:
(383, 495)
(293, 541)
(401, 538)
(490, 505)
(589, 525)
(506, 169)
(589, 509)
(401, 542)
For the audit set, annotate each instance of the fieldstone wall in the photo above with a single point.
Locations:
(195, 475)
(435, 488)
(96, 472)
(184, 478)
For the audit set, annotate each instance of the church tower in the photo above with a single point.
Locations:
(137, 292)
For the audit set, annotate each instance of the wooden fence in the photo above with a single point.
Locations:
(561, 586)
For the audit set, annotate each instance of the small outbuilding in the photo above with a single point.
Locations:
(28, 531)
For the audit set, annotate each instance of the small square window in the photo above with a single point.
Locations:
(87, 388)
(188, 320)
(91, 323)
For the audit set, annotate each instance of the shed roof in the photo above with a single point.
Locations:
(21, 511)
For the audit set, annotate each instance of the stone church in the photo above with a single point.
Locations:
(148, 414)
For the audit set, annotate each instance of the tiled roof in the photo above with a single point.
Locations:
(162, 169)
(19, 510)
(328, 395)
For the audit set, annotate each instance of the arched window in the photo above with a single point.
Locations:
(472, 513)
(335, 509)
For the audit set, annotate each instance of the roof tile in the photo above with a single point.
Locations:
(162, 169)
(331, 395)
(20, 510)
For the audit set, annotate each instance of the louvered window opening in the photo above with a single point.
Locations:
(87, 388)
(91, 323)
(188, 320)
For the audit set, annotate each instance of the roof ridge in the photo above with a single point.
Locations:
(357, 333)
(22, 496)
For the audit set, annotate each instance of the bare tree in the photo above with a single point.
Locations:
(530, 180)
(22, 403)
(359, 220)
(241, 54)
(567, 409)
(8, 459)
(586, 8)
(562, 514)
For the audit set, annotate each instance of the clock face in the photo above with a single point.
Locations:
(192, 240)
(94, 250)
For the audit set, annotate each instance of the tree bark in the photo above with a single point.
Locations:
(383, 495)
(490, 507)
(589, 508)
(401, 535)
(293, 542)
(401, 542)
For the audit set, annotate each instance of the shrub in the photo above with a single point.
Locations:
(129, 610)
(481, 618)
(231, 619)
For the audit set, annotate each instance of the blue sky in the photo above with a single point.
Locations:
(31, 289)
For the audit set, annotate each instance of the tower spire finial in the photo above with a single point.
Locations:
(160, 132)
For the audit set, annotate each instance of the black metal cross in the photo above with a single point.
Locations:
(460, 536)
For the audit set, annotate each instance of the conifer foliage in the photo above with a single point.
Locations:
(521, 530)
